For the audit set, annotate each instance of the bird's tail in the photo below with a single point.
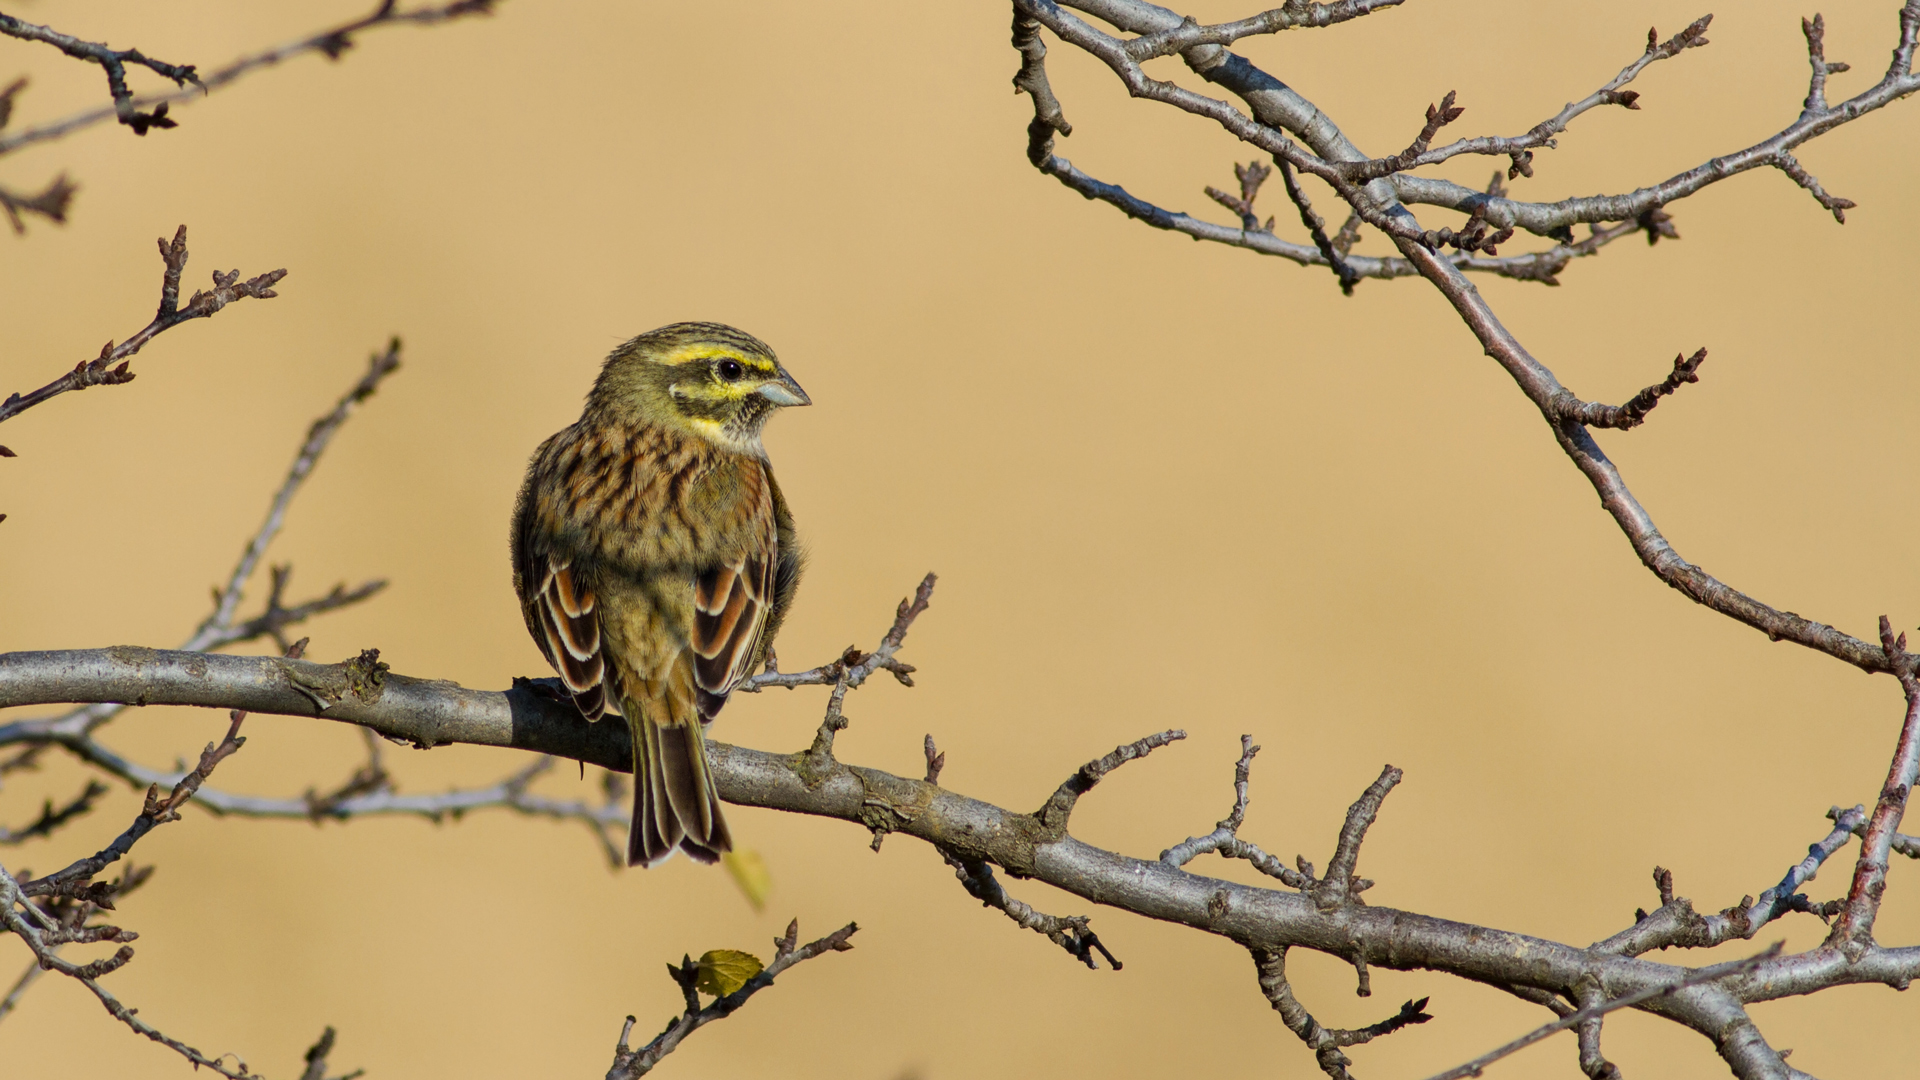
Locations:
(674, 801)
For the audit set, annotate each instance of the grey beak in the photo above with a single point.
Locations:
(784, 391)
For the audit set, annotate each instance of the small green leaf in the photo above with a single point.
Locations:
(749, 872)
(723, 971)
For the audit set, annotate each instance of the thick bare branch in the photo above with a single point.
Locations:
(435, 712)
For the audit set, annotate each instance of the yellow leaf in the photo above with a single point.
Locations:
(749, 872)
(723, 971)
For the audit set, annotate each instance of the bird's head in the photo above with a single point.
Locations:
(705, 379)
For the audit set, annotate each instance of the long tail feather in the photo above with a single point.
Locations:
(674, 802)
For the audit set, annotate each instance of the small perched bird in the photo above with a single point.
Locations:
(655, 558)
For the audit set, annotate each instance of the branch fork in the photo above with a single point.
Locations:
(110, 367)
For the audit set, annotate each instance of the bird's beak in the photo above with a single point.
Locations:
(784, 391)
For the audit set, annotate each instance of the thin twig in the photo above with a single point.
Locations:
(52, 817)
(1225, 838)
(1853, 931)
(1071, 932)
(27, 979)
(1293, 16)
(381, 365)
(51, 202)
(936, 761)
(316, 1059)
(114, 62)
(1317, 229)
(1697, 977)
(1520, 148)
(75, 882)
(853, 664)
(219, 630)
(629, 1064)
(102, 370)
(1059, 806)
(331, 43)
(154, 813)
(1340, 886)
(1567, 406)
(1325, 1042)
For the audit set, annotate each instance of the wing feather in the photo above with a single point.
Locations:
(565, 609)
(731, 605)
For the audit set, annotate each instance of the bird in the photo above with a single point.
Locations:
(655, 559)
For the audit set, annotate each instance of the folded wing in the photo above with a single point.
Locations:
(563, 607)
(730, 606)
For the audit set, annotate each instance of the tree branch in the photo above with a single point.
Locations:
(1853, 931)
(219, 629)
(1325, 1042)
(1071, 932)
(44, 934)
(1567, 406)
(101, 371)
(1698, 977)
(857, 667)
(113, 62)
(1225, 837)
(227, 601)
(51, 202)
(1050, 120)
(332, 42)
(632, 1064)
(51, 818)
(1378, 191)
(435, 712)
(1520, 148)
(1294, 15)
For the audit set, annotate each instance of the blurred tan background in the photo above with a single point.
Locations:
(1165, 484)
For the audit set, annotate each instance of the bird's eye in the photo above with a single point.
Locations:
(729, 370)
